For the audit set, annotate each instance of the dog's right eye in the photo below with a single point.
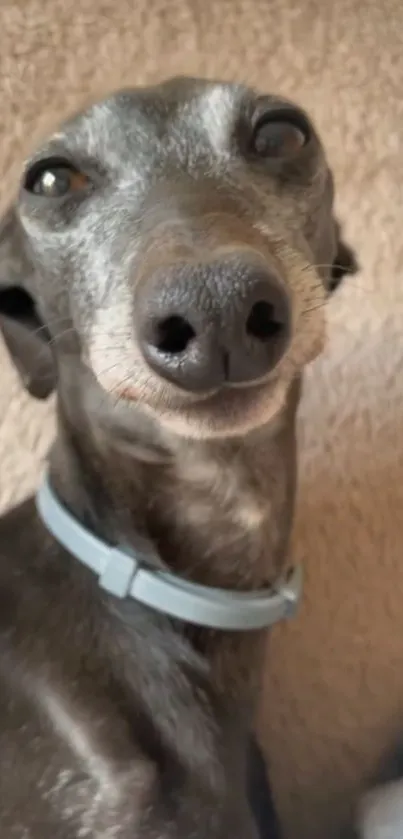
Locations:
(279, 135)
(55, 179)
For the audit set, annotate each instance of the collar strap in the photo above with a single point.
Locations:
(123, 573)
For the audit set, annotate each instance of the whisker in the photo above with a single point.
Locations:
(55, 338)
(310, 265)
(97, 331)
(353, 279)
(319, 305)
(45, 326)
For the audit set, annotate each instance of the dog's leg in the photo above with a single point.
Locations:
(260, 795)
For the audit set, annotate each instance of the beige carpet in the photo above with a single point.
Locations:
(334, 695)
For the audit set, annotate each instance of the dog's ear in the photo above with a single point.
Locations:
(345, 261)
(25, 336)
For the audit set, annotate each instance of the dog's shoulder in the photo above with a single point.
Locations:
(108, 713)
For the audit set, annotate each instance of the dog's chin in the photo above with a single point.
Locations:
(232, 412)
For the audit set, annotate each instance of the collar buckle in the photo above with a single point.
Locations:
(118, 575)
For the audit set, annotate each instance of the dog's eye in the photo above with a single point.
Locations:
(278, 136)
(55, 179)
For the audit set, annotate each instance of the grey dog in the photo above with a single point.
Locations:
(164, 269)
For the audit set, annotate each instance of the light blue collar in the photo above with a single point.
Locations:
(123, 573)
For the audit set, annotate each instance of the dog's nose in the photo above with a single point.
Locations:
(203, 325)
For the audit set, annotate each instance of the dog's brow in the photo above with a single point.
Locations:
(55, 145)
(217, 108)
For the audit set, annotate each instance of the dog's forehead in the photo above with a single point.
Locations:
(132, 119)
(169, 102)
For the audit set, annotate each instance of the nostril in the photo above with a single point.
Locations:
(174, 334)
(262, 322)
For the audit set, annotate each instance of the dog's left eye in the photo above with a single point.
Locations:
(55, 179)
(278, 136)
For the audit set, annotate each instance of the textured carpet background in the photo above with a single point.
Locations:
(334, 698)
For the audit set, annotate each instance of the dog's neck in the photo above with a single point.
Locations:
(218, 512)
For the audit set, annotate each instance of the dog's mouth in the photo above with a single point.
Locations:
(227, 412)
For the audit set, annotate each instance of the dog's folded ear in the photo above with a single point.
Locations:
(25, 336)
(344, 263)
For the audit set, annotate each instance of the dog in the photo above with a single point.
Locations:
(165, 270)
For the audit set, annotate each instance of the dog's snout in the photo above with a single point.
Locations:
(204, 325)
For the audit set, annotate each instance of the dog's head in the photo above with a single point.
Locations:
(172, 248)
